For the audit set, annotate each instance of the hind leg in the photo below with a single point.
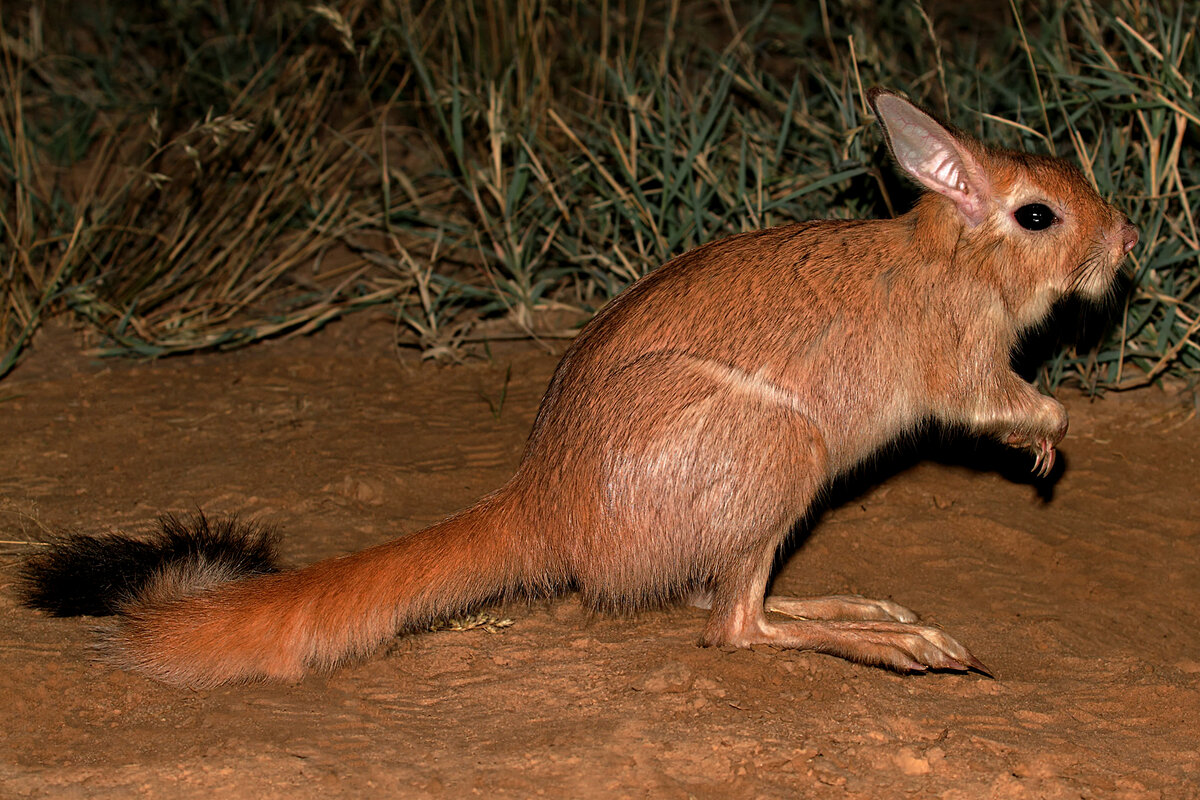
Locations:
(841, 606)
(721, 466)
(838, 606)
(738, 618)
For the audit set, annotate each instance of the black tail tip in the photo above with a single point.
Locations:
(79, 575)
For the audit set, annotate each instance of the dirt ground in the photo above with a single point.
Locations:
(1080, 593)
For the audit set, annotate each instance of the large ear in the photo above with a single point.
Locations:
(932, 154)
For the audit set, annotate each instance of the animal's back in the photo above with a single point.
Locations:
(804, 316)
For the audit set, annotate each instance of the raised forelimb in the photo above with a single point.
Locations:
(1019, 415)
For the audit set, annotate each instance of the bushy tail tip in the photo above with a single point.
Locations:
(99, 575)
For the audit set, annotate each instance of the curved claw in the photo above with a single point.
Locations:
(1043, 463)
(974, 663)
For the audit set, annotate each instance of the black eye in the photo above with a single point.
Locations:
(1035, 217)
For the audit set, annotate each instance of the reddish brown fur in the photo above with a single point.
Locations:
(690, 426)
(193, 629)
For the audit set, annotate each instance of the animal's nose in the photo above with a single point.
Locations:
(1129, 235)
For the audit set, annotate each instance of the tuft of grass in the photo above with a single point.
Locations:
(193, 177)
(174, 235)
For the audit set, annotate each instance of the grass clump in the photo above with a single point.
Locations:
(235, 172)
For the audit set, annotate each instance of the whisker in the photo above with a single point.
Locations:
(1089, 269)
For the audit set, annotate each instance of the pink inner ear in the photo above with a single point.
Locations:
(932, 155)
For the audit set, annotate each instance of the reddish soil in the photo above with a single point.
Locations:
(1081, 593)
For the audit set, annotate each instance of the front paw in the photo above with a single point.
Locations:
(1042, 431)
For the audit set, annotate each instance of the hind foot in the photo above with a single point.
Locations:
(901, 646)
(876, 632)
(841, 606)
(838, 606)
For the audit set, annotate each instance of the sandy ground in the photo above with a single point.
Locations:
(1081, 593)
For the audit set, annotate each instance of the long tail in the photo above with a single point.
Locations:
(199, 621)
